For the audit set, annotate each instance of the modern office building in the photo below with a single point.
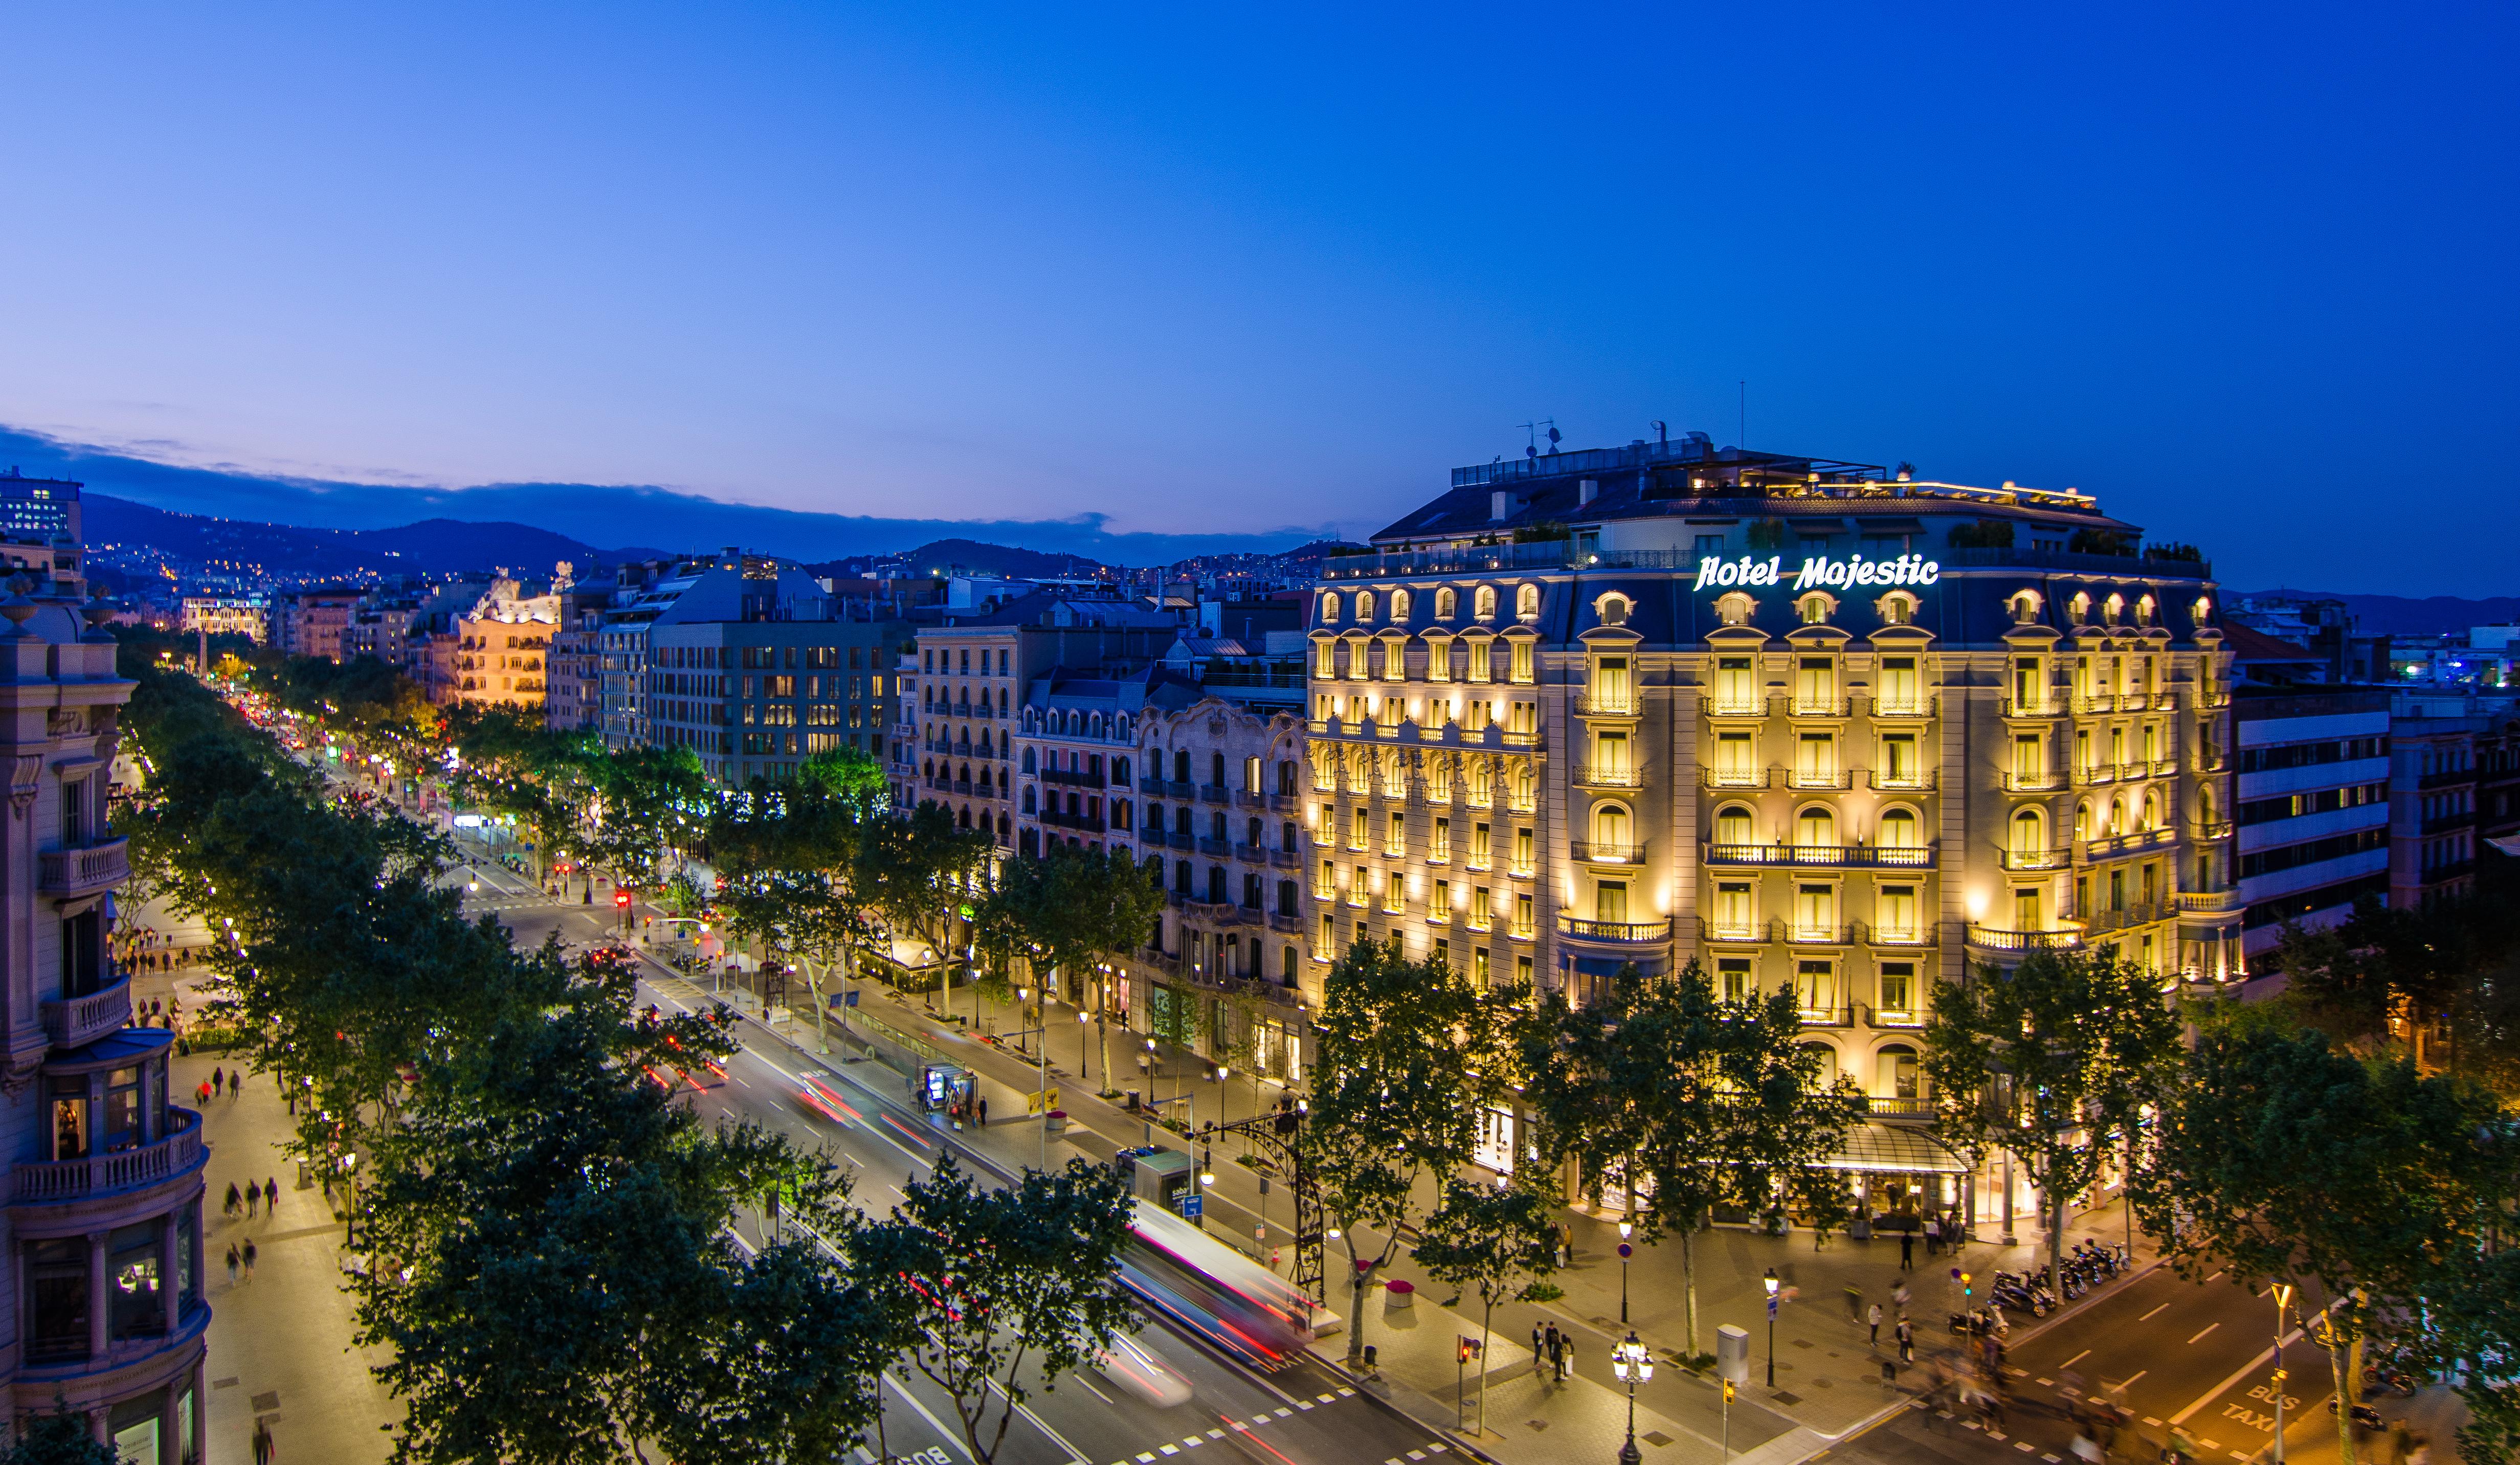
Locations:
(1808, 723)
(2311, 805)
(39, 511)
(105, 1307)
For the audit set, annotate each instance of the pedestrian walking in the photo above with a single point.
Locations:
(1875, 1318)
(1906, 1341)
(232, 1264)
(1557, 1347)
(265, 1448)
(1537, 1351)
(1907, 1251)
(205, 1092)
(271, 1194)
(252, 1201)
(1899, 1297)
(1566, 1358)
(984, 1111)
(233, 1199)
(219, 1080)
(249, 1255)
(1933, 1236)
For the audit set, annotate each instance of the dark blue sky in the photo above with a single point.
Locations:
(2244, 272)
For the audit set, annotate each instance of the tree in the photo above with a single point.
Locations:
(552, 1271)
(1069, 909)
(916, 872)
(1493, 1240)
(1692, 1101)
(976, 1285)
(1410, 1054)
(650, 803)
(2278, 1156)
(2050, 1062)
(59, 1438)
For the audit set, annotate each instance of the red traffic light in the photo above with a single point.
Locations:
(621, 898)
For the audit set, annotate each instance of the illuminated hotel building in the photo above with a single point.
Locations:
(1806, 723)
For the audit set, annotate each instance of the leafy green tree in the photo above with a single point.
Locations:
(2052, 1062)
(1493, 1240)
(652, 804)
(1068, 909)
(978, 1286)
(552, 1269)
(1410, 1053)
(919, 872)
(2277, 1156)
(1691, 1101)
(59, 1438)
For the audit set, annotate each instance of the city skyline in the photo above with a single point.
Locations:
(1241, 281)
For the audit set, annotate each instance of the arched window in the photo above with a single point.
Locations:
(2143, 610)
(1816, 828)
(2151, 810)
(1613, 610)
(1732, 825)
(1896, 1071)
(2029, 835)
(1094, 724)
(1733, 609)
(1028, 806)
(2025, 606)
(1330, 608)
(1216, 770)
(1898, 609)
(2111, 608)
(2082, 819)
(2202, 611)
(2117, 819)
(1610, 829)
(1814, 610)
(1448, 603)
(1483, 603)
(1399, 605)
(1899, 830)
(2079, 608)
(1002, 829)
(1287, 965)
(1028, 761)
(1827, 1075)
(1251, 831)
(1120, 771)
(1364, 606)
(1527, 602)
(2205, 804)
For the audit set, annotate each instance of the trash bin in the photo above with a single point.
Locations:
(1399, 1293)
(1132, 1101)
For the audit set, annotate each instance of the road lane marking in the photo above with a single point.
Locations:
(1326, 1398)
(2047, 1383)
(927, 1414)
(2077, 1358)
(1347, 1393)
(2208, 1327)
(2130, 1378)
(1090, 1389)
(2022, 1446)
(2147, 1318)
(1303, 1404)
(1192, 1439)
(2151, 1422)
(2216, 1277)
(1216, 1433)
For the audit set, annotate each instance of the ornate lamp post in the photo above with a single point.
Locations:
(1632, 1364)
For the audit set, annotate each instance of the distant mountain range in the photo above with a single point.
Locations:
(2401, 615)
(583, 513)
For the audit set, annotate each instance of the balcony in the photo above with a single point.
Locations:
(1737, 706)
(1072, 777)
(1215, 849)
(2207, 902)
(1904, 707)
(1819, 777)
(55, 1181)
(1620, 704)
(1918, 781)
(1086, 823)
(66, 874)
(1990, 939)
(1215, 793)
(1286, 922)
(2103, 921)
(1151, 787)
(1626, 933)
(1180, 840)
(1880, 1107)
(1616, 776)
(2128, 844)
(1802, 706)
(1828, 1017)
(1248, 798)
(2037, 859)
(1736, 777)
(2205, 833)
(1179, 790)
(1608, 854)
(2037, 707)
(77, 1020)
(1287, 859)
(1898, 857)
(2037, 782)
(1796, 933)
(1910, 936)
(2447, 778)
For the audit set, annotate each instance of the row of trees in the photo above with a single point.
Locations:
(551, 1240)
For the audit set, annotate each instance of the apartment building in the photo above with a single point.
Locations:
(2311, 806)
(227, 615)
(1811, 724)
(105, 1308)
(757, 667)
(311, 621)
(955, 731)
(501, 645)
(2433, 781)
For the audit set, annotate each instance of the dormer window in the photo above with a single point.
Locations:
(1399, 606)
(1330, 608)
(1613, 610)
(1527, 602)
(1898, 609)
(1814, 610)
(1448, 603)
(1483, 603)
(1364, 606)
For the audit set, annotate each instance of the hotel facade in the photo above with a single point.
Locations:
(1809, 723)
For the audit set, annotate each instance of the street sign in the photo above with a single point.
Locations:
(1625, 1251)
(1772, 1309)
(1190, 1206)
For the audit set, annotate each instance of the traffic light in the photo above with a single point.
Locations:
(621, 900)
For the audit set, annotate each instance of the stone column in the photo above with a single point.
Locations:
(95, 1298)
(200, 1423)
(170, 1293)
(170, 1399)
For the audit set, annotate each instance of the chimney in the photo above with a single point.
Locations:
(1585, 491)
(1496, 507)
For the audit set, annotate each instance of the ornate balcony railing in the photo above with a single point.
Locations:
(1635, 933)
(65, 875)
(73, 1021)
(1903, 856)
(1992, 939)
(44, 1181)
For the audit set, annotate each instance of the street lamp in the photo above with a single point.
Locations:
(1770, 1280)
(1625, 1251)
(2283, 1300)
(1631, 1365)
(1084, 1020)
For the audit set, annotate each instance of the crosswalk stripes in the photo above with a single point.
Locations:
(1245, 1426)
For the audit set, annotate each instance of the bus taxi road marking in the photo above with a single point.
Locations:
(2264, 1356)
(927, 1414)
(2208, 1327)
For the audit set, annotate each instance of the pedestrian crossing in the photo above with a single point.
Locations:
(1263, 1418)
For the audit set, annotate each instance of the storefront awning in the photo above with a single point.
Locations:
(1896, 1148)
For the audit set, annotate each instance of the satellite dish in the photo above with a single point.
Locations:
(1553, 437)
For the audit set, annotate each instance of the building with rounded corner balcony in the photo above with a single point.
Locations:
(105, 1310)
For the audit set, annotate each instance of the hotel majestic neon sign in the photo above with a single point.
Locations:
(1819, 572)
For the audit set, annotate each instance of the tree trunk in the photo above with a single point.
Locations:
(2056, 1246)
(1688, 1282)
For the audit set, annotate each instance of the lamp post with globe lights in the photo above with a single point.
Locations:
(1632, 1364)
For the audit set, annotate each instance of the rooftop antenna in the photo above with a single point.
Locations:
(1532, 450)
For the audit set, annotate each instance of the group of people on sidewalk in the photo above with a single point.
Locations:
(1553, 1350)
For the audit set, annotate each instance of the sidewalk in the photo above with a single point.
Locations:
(280, 1344)
(1828, 1379)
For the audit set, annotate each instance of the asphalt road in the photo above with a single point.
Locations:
(1303, 1414)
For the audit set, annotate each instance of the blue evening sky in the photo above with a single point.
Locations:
(2246, 272)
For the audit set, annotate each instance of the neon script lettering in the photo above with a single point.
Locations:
(1819, 574)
